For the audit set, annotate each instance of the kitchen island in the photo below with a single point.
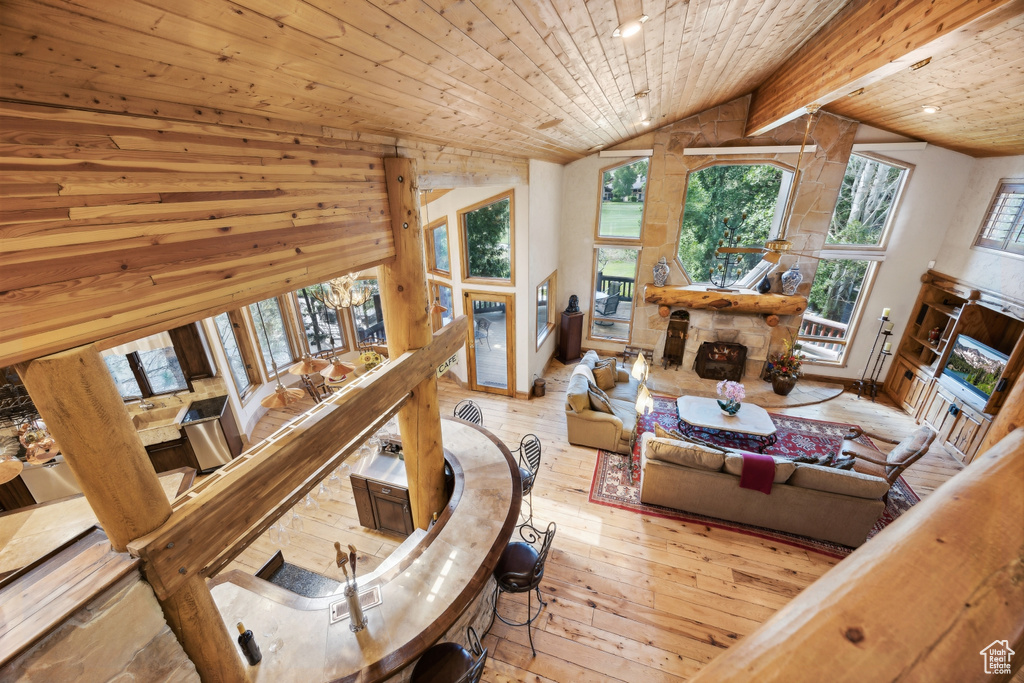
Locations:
(439, 585)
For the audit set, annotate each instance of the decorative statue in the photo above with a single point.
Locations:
(660, 272)
(574, 304)
(791, 279)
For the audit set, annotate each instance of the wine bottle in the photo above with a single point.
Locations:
(249, 646)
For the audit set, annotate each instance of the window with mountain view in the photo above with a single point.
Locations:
(623, 189)
(741, 200)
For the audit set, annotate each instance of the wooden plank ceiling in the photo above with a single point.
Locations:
(978, 87)
(527, 79)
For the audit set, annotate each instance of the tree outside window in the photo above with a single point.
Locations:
(319, 321)
(866, 197)
(146, 367)
(623, 190)
(828, 324)
(226, 332)
(368, 317)
(436, 245)
(487, 238)
(747, 198)
(273, 340)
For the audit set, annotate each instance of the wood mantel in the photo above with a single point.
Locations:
(744, 301)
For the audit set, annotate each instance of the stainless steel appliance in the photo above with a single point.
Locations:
(50, 481)
(205, 434)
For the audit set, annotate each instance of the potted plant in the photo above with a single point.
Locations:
(784, 368)
(732, 394)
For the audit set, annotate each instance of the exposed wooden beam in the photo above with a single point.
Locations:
(916, 603)
(865, 42)
(404, 293)
(729, 302)
(201, 529)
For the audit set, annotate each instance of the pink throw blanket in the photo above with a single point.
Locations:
(758, 472)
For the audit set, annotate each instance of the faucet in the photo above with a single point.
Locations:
(146, 405)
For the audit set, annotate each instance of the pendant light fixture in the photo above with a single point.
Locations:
(436, 307)
(307, 365)
(337, 369)
(342, 292)
(281, 396)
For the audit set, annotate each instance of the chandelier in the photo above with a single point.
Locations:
(341, 292)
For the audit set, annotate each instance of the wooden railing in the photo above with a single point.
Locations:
(919, 602)
(609, 283)
(817, 330)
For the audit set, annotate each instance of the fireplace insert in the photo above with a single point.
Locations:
(720, 360)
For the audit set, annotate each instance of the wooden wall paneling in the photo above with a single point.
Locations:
(106, 265)
(838, 60)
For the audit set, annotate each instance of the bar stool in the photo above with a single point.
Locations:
(529, 465)
(451, 663)
(519, 570)
(469, 411)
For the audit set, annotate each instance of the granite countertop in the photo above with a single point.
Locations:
(413, 599)
(205, 410)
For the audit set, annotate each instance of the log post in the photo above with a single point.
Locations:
(406, 303)
(77, 398)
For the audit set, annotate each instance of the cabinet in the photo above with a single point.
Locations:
(381, 492)
(171, 455)
(919, 382)
(570, 337)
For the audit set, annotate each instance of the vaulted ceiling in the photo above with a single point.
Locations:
(524, 78)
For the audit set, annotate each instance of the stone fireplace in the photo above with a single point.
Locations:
(750, 330)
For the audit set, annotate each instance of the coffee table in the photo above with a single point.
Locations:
(698, 414)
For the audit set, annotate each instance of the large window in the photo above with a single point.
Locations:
(368, 318)
(614, 280)
(623, 190)
(864, 212)
(1003, 227)
(726, 204)
(146, 367)
(545, 316)
(320, 322)
(832, 307)
(273, 340)
(436, 244)
(240, 370)
(488, 240)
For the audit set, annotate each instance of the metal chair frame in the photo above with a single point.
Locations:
(529, 459)
(525, 582)
(470, 412)
(482, 330)
(475, 672)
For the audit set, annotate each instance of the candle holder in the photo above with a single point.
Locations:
(868, 383)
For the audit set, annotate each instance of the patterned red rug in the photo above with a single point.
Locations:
(796, 436)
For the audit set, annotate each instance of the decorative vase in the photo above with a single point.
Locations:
(660, 272)
(791, 279)
(729, 406)
(783, 384)
(765, 285)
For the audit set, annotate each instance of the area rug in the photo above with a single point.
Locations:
(796, 436)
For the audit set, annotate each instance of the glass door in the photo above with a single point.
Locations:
(491, 349)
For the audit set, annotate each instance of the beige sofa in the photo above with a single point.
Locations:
(611, 431)
(820, 502)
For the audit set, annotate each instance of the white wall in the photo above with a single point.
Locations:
(982, 267)
(544, 249)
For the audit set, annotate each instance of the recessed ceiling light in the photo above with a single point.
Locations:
(645, 122)
(929, 108)
(630, 28)
(923, 63)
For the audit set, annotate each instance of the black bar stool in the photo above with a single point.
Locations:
(529, 465)
(519, 570)
(451, 663)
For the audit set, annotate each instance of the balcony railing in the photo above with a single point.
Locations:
(609, 283)
(818, 331)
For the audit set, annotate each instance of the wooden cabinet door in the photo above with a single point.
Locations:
(965, 435)
(936, 411)
(171, 455)
(393, 514)
(909, 387)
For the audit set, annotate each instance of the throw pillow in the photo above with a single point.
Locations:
(599, 400)
(589, 359)
(685, 454)
(846, 483)
(604, 374)
(783, 468)
(577, 396)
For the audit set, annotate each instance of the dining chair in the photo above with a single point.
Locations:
(451, 663)
(529, 464)
(469, 411)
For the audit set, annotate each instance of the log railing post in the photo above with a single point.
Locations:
(403, 288)
(77, 398)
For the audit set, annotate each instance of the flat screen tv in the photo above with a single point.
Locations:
(975, 366)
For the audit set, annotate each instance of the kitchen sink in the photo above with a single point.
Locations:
(159, 417)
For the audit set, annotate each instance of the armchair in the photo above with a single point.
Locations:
(890, 466)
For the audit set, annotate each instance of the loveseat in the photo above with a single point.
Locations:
(600, 418)
(820, 502)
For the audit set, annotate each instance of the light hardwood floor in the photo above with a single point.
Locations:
(630, 597)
